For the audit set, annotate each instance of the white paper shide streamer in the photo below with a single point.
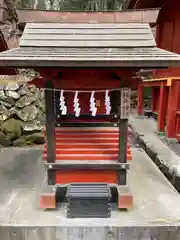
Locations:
(107, 103)
(93, 108)
(77, 108)
(63, 107)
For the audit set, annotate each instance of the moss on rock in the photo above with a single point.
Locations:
(12, 128)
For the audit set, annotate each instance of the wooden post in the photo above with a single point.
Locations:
(162, 107)
(50, 128)
(48, 194)
(140, 100)
(171, 109)
(123, 128)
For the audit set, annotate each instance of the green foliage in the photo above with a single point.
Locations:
(147, 92)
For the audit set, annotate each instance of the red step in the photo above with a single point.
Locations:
(87, 151)
(87, 135)
(89, 130)
(87, 145)
(73, 157)
(86, 140)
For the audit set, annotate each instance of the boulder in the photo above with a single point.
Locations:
(40, 117)
(3, 140)
(40, 94)
(26, 100)
(12, 128)
(22, 115)
(40, 104)
(23, 90)
(14, 95)
(37, 138)
(20, 142)
(32, 126)
(11, 86)
(4, 114)
(7, 101)
(27, 113)
(12, 112)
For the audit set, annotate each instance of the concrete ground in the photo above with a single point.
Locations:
(165, 155)
(156, 203)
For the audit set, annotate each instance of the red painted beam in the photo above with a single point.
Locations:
(154, 83)
(108, 176)
(166, 73)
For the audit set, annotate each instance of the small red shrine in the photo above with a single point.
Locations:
(87, 71)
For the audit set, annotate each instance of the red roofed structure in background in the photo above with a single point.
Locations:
(165, 83)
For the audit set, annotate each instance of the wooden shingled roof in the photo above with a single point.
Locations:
(88, 45)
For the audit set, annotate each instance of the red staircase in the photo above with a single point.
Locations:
(93, 143)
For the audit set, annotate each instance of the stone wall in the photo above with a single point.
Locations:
(21, 115)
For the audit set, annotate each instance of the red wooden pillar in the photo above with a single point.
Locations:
(163, 101)
(140, 99)
(171, 110)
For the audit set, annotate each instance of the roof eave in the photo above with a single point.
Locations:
(120, 64)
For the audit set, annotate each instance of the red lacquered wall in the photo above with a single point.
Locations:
(168, 34)
(87, 80)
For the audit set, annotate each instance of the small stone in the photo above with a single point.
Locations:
(40, 104)
(12, 112)
(12, 128)
(13, 94)
(3, 140)
(23, 90)
(4, 114)
(26, 100)
(37, 138)
(7, 101)
(11, 86)
(27, 113)
(32, 126)
(6, 104)
(40, 117)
